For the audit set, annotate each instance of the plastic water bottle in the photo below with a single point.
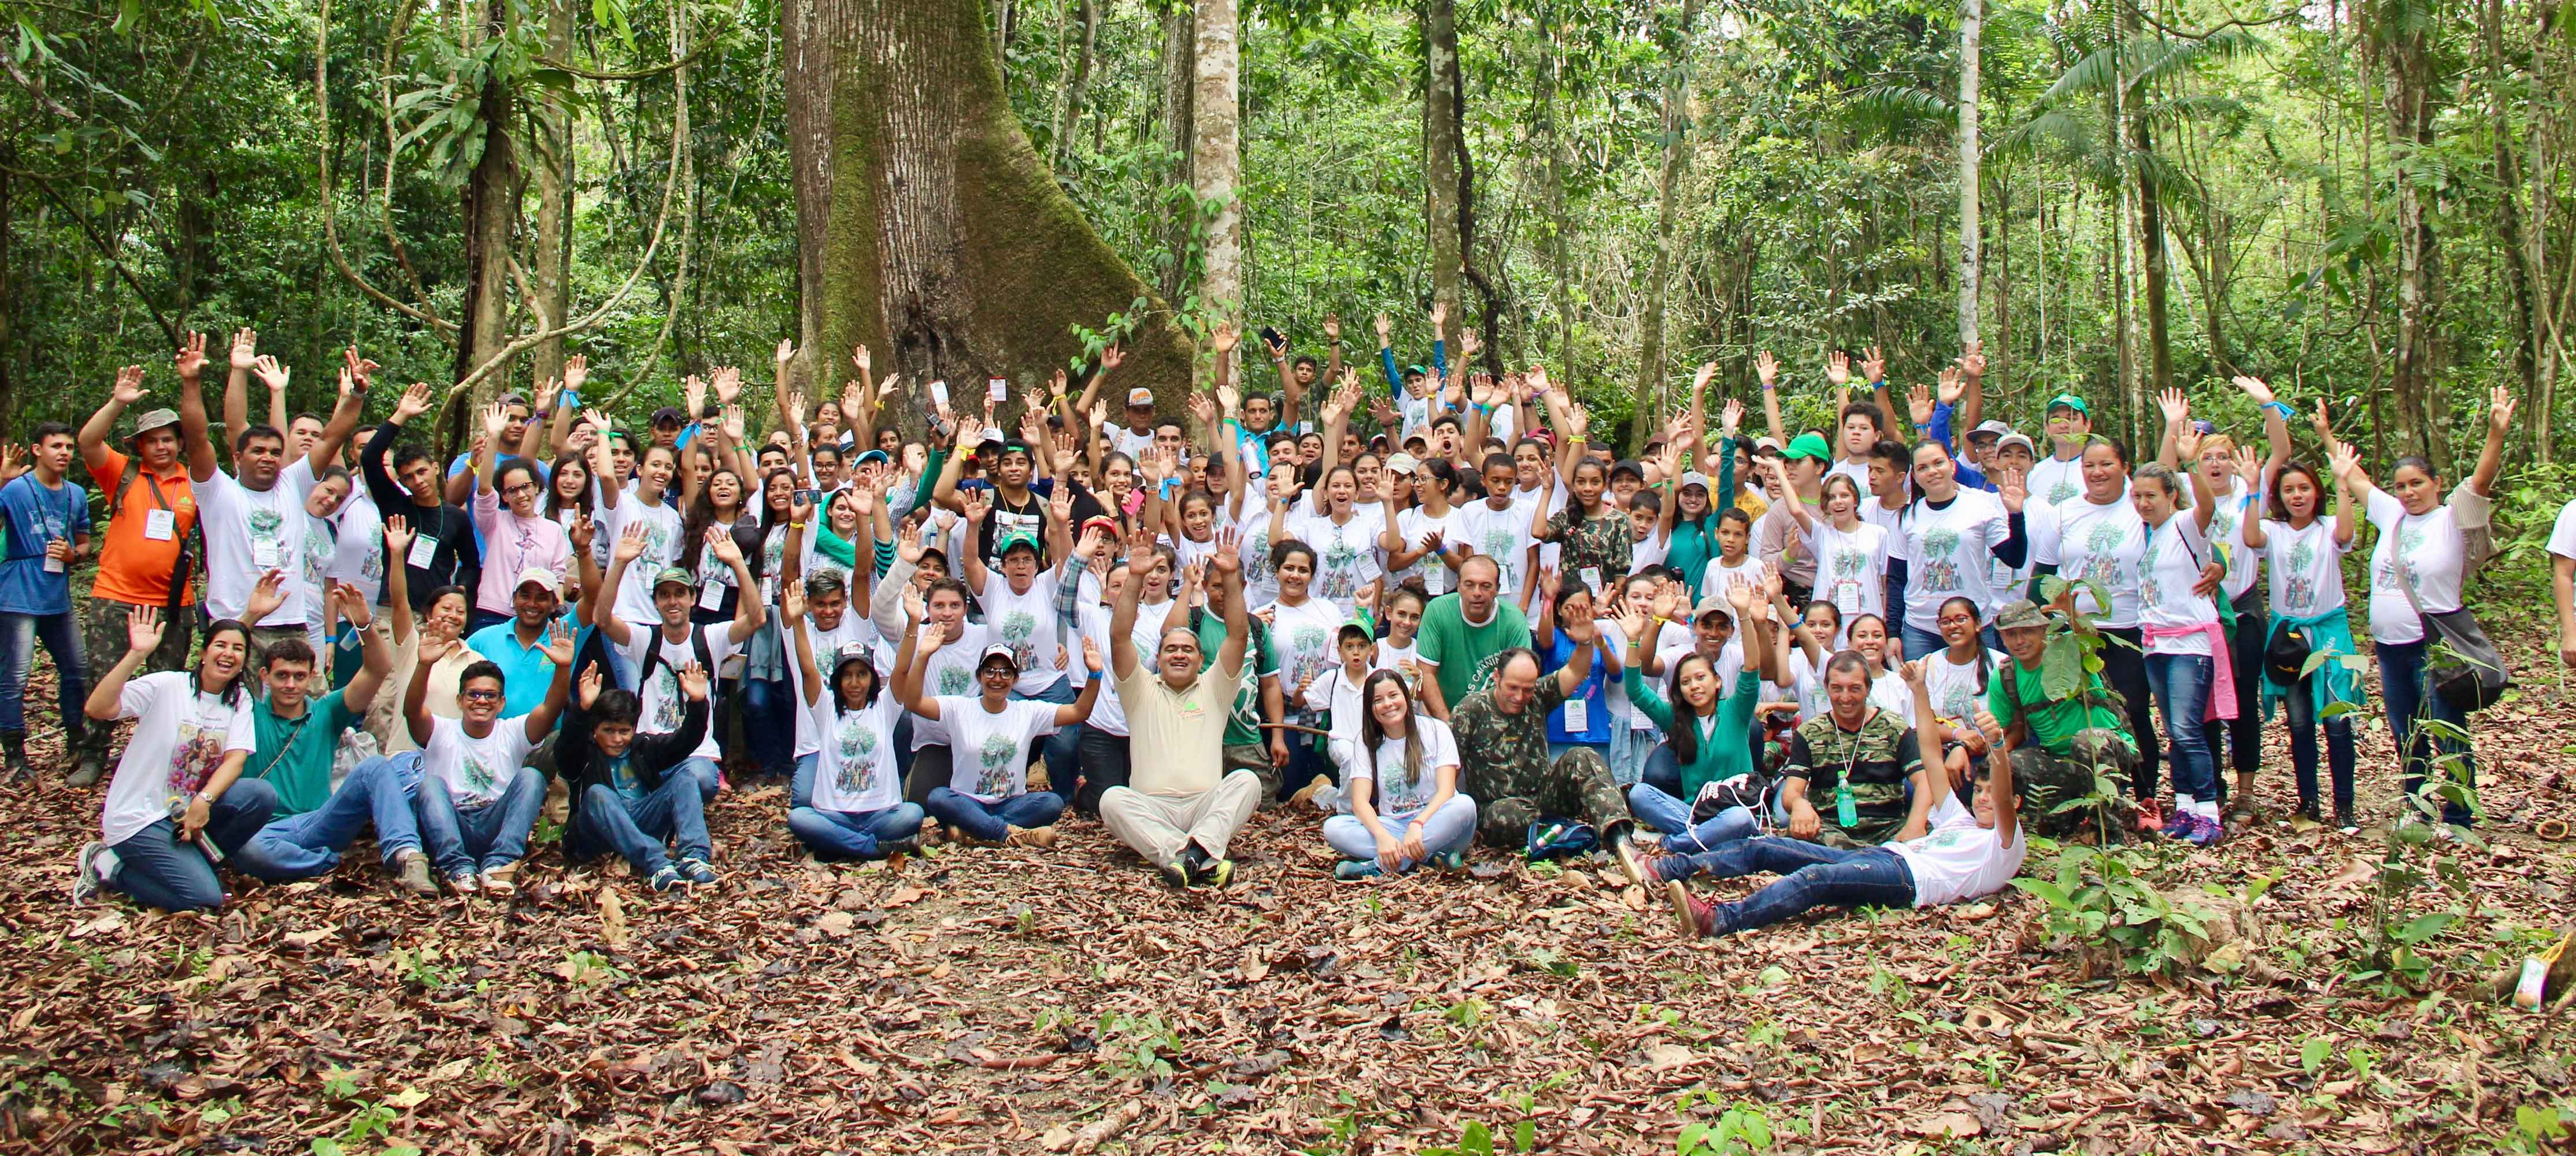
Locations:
(356, 746)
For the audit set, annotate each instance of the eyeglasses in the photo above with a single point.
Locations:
(1956, 619)
(521, 488)
(479, 695)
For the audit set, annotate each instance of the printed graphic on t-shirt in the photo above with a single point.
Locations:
(1340, 569)
(2061, 490)
(1310, 648)
(994, 773)
(1020, 633)
(858, 753)
(2151, 591)
(1940, 566)
(666, 708)
(2101, 564)
(955, 681)
(194, 757)
(265, 525)
(2298, 590)
(2409, 538)
(479, 779)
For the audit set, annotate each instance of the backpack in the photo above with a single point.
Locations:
(653, 657)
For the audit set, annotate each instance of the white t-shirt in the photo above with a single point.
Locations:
(2562, 533)
(181, 738)
(1404, 660)
(1889, 693)
(475, 771)
(2434, 554)
(1949, 552)
(951, 671)
(360, 559)
(1027, 624)
(853, 634)
(1416, 526)
(854, 769)
(1673, 639)
(661, 548)
(2102, 543)
(1301, 637)
(991, 751)
(664, 706)
(1336, 692)
(2053, 480)
(1108, 715)
(1129, 442)
(1959, 859)
(1401, 794)
(1345, 554)
(2307, 565)
(1503, 535)
(2227, 536)
(250, 532)
(1851, 568)
(1857, 469)
(1650, 552)
(2167, 570)
(1718, 577)
(1956, 694)
(1260, 582)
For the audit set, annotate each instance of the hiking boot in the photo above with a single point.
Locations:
(1691, 915)
(463, 883)
(1029, 836)
(92, 872)
(697, 871)
(1621, 835)
(501, 880)
(665, 880)
(1039, 779)
(2345, 821)
(92, 768)
(413, 873)
(1357, 869)
(13, 756)
(1306, 794)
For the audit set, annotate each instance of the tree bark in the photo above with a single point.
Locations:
(2509, 223)
(1180, 114)
(2151, 232)
(1078, 89)
(928, 226)
(491, 211)
(1676, 129)
(1216, 159)
(1441, 147)
(1560, 266)
(1972, 21)
(552, 244)
(2407, 96)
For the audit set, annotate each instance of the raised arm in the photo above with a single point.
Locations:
(356, 374)
(398, 538)
(101, 425)
(1767, 368)
(559, 651)
(143, 626)
(376, 657)
(244, 355)
(1927, 737)
(630, 546)
(907, 667)
(749, 611)
(1972, 377)
(2500, 405)
(191, 365)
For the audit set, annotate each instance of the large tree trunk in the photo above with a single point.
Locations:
(491, 211)
(2406, 49)
(1216, 159)
(1676, 127)
(2509, 224)
(1560, 266)
(927, 224)
(1972, 22)
(1441, 147)
(552, 244)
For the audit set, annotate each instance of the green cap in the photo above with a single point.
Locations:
(2020, 613)
(2072, 402)
(1417, 371)
(1015, 539)
(669, 574)
(1807, 445)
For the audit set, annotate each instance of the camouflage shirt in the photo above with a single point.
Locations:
(1604, 543)
(1504, 756)
(1877, 759)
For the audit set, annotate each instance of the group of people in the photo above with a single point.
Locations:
(1855, 656)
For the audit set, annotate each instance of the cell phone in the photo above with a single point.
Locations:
(809, 497)
(1273, 338)
(996, 388)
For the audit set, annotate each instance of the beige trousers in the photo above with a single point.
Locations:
(1159, 826)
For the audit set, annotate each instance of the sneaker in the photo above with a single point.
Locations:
(1039, 779)
(1690, 915)
(414, 875)
(2150, 817)
(92, 877)
(666, 879)
(1328, 799)
(1623, 843)
(2345, 821)
(501, 880)
(1030, 836)
(697, 871)
(2178, 825)
(1177, 873)
(2205, 831)
(909, 845)
(463, 883)
(1306, 794)
(1357, 869)
(1207, 871)
(1454, 859)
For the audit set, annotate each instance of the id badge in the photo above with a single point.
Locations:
(263, 555)
(423, 549)
(1578, 716)
(1847, 597)
(1592, 579)
(1844, 812)
(711, 595)
(160, 525)
(53, 565)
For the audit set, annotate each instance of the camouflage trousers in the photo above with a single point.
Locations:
(1254, 757)
(103, 644)
(2044, 782)
(1579, 783)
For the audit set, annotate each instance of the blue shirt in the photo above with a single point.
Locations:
(35, 515)
(1593, 694)
(526, 672)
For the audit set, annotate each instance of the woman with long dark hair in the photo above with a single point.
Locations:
(2303, 555)
(1401, 779)
(1706, 730)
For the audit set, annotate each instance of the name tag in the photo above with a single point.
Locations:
(160, 525)
(53, 565)
(263, 555)
(711, 595)
(423, 548)
(1592, 579)
(1578, 714)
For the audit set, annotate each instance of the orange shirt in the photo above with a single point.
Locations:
(133, 567)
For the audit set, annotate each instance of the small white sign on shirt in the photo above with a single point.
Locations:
(1578, 715)
(160, 525)
(710, 595)
(423, 548)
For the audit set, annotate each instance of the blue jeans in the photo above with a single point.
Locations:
(1812, 875)
(704, 772)
(1629, 750)
(155, 869)
(605, 821)
(379, 791)
(61, 635)
(1062, 747)
(853, 834)
(2403, 683)
(1663, 770)
(769, 724)
(461, 840)
(1659, 810)
(1447, 829)
(989, 822)
(800, 786)
(2181, 683)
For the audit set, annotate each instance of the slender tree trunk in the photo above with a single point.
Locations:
(1180, 76)
(1999, 357)
(2151, 231)
(1651, 371)
(1552, 181)
(1216, 158)
(2509, 223)
(491, 212)
(1441, 147)
(926, 222)
(1972, 22)
(1078, 89)
(2405, 33)
(552, 252)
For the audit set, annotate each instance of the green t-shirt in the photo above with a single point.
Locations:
(1464, 653)
(2052, 725)
(1243, 727)
(294, 754)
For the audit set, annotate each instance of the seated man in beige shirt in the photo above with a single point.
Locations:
(1180, 808)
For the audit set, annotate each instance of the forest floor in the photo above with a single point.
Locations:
(1067, 1001)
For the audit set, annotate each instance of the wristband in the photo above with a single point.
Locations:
(795, 525)
(2282, 408)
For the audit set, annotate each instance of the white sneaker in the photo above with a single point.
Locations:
(95, 864)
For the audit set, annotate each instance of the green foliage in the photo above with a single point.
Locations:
(1740, 1130)
(2104, 901)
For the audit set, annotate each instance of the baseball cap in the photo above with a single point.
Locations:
(1416, 371)
(1140, 396)
(2017, 439)
(512, 398)
(670, 415)
(1000, 650)
(670, 574)
(2070, 401)
(1628, 467)
(1807, 445)
(540, 576)
(1014, 540)
(1713, 604)
(1101, 522)
(1403, 463)
(151, 420)
(992, 436)
(878, 456)
(2020, 613)
(1767, 442)
(1358, 626)
(1694, 478)
(1991, 429)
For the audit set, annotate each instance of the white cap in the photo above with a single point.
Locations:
(540, 576)
(1694, 478)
